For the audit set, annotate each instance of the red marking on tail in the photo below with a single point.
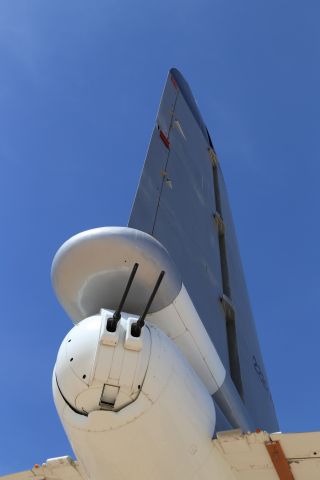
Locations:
(173, 80)
(165, 139)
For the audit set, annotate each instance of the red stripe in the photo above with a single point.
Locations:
(173, 80)
(165, 139)
(279, 460)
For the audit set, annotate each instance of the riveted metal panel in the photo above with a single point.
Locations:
(147, 197)
(178, 208)
(254, 378)
(185, 225)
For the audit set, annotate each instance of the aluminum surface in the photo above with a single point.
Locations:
(180, 214)
(90, 271)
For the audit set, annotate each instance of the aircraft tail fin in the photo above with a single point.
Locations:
(182, 201)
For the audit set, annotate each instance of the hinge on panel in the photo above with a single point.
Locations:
(213, 157)
(219, 222)
(227, 306)
(167, 180)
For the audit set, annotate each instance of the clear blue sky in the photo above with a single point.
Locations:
(80, 85)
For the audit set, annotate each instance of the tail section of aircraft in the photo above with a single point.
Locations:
(182, 201)
(163, 354)
(162, 375)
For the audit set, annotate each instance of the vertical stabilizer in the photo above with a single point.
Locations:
(182, 201)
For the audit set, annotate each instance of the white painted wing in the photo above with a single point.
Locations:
(61, 468)
(248, 456)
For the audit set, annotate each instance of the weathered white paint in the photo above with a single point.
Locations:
(165, 432)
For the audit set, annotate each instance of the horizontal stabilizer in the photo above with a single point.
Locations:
(263, 456)
(61, 468)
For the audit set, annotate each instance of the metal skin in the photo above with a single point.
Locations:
(180, 193)
(157, 392)
(91, 269)
(157, 419)
(147, 405)
(179, 319)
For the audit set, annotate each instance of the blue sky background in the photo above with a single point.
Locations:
(80, 84)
